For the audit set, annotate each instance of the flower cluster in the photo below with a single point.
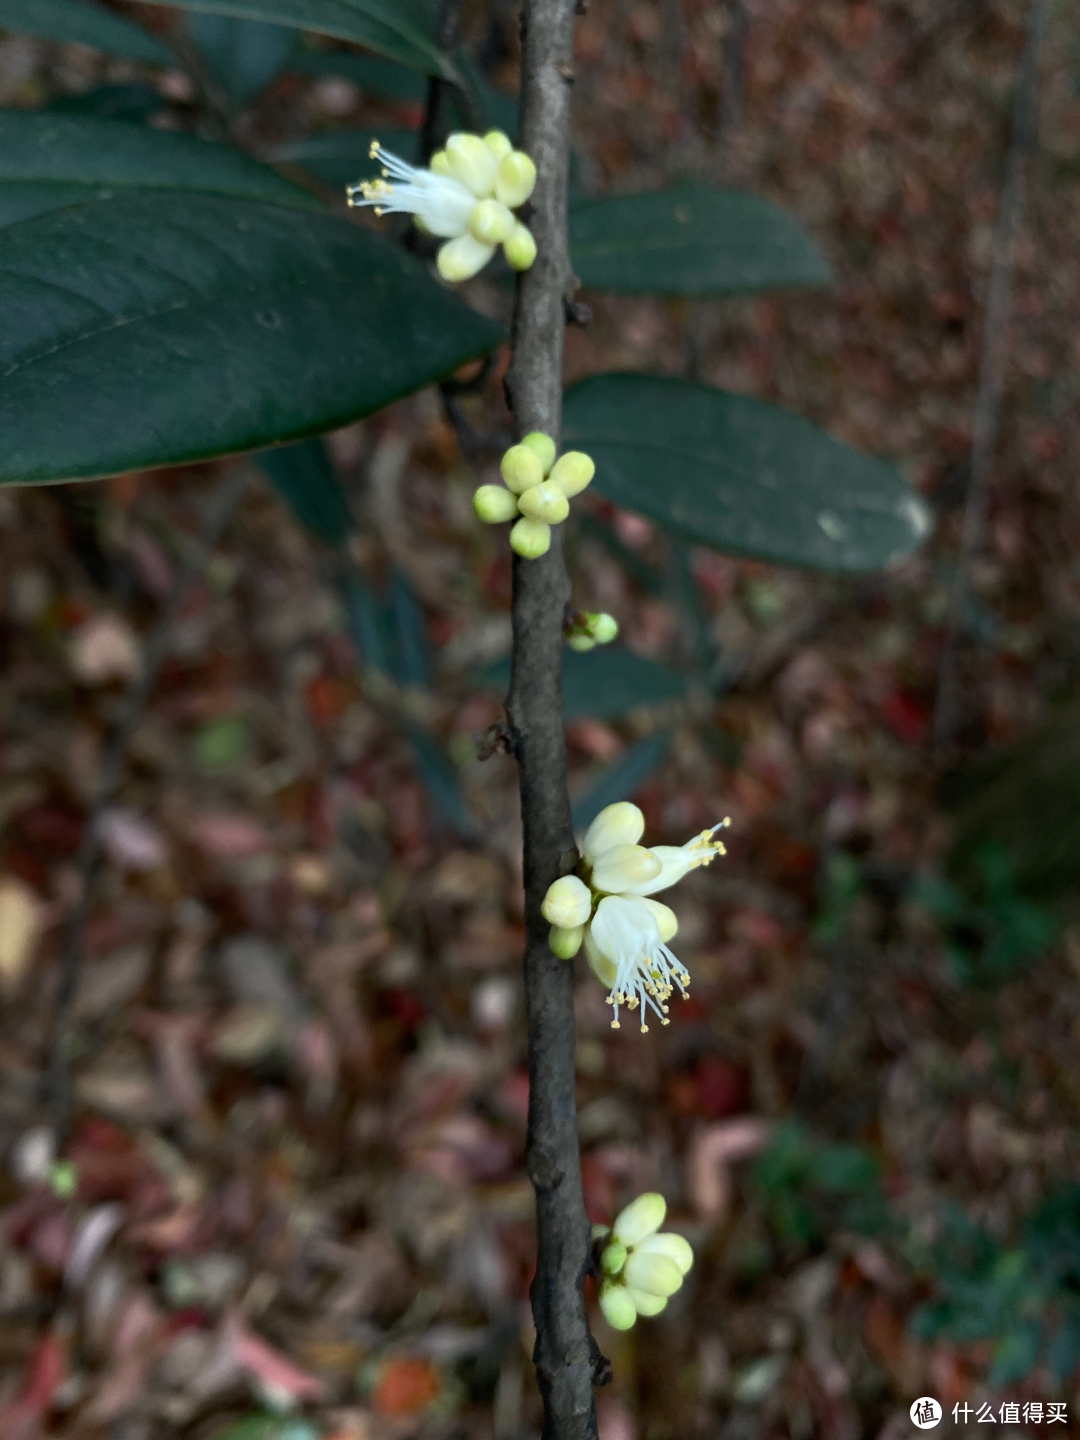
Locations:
(642, 1268)
(538, 488)
(610, 912)
(585, 629)
(467, 196)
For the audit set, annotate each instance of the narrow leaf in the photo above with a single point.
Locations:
(413, 668)
(440, 780)
(620, 779)
(179, 326)
(303, 475)
(344, 156)
(85, 24)
(742, 476)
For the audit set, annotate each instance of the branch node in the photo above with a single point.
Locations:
(543, 1171)
(495, 740)
(576, 311)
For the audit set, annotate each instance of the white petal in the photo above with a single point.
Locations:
(624, 867)
(619, 824)
(623, 929)
(463, 258)
(604, 969)
(677, 860)
(667, 921)
(567, 903)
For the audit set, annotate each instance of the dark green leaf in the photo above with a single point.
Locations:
(178, 326)
(132, 103)
(621, 778)
(440, 780)
(344, 156)
(734, 473)
(413, 666)
(303, 475)
(87, 24)
(243, 55)
(691, 241)
(367, 622)
(385, 26)
(58, 160)
(606, 682)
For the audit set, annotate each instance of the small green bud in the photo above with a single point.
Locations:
(520, 467)
(572, 472)
(568, 902)
(618, 1308)
(472, 164)
(516, 179)
(602, 628)
(545, 502)
(579, 642)
(520, 249)
(544, 447)
(530, 538)
(498, 143)
(613, 1258)
(462, 258)
(491, 223)
(565, 940)
(63, 1179)
(494, 504)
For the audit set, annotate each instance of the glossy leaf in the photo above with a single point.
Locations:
(620, 779)
(738, 475)
(49, 160)
(178, 326)
(342, 157)
(385, 26)
(606, 682)
(85, 24)
(303, 475)
(244, 55)
(691, 241)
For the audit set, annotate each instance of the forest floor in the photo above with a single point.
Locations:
(293, 1169)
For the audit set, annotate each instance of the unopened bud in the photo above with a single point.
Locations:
(667, 921)
(544, 447)
(572, 472)
(494, 504)
(439, 164)
(498, 143)
(530, 538)
(641, 1217)
(675, 1247)
(516, 179)
(602, 628)
(545, 502)
(579, 642)
(620, 869)
(655, 1274)
(491, 222)
(472, 164)
(520, 249)
(567, 902)
(613, 1258)
(646, 1304)
(565, 940)
(520, 467)
(618, 1308)
(462, 258)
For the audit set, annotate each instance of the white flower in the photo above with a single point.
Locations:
(626, 933)
(641, 1267)
(467, 197)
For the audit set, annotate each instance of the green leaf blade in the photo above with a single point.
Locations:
(741, 476)
(72, 21)
(179, 326)
(691, 241)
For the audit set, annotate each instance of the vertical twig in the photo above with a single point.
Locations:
(991, 377)
(218, 514)
(564, 1353)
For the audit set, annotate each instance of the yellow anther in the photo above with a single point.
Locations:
(615, 1025)
(373, 149)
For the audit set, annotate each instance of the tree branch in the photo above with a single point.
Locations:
(564, 1354)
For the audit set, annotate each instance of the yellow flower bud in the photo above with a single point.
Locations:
(567, 902)
(613, 1258)
(544, 447)
(666, 920)
(655, 1274)
(462, 258)
(545, 502)
(565, 940)
(675, 1247)
(520, 249)
(516, 179)
(472, 164)
(623, 866)
(491, 223)
(498, 143)
(618, 1308)
(646, 1304)
(572, 472)
(641, 1217)
(581, 643)
(618, 824)
(439, 164)
(520, 467)
(494, 504)
(530, 538)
